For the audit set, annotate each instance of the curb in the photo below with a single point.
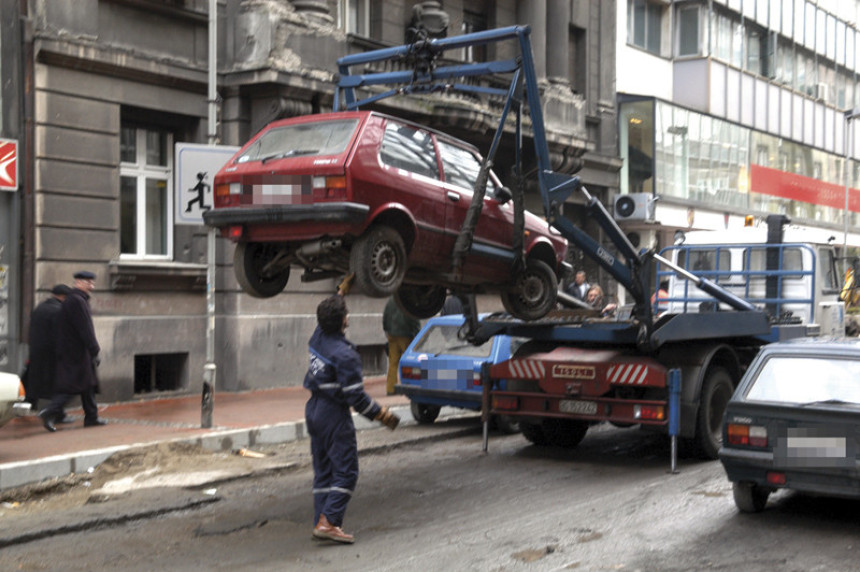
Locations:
(34, 471)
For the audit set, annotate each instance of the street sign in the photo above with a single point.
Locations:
(8, 165)
(196, 166)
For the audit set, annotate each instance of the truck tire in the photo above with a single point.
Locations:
(534, 292)
(533, 432)
(716, 392)
(421, 301)
(378, 259)
(424, 413)
(750, 497)
(249, 266)
(564, 433)
(507, 424)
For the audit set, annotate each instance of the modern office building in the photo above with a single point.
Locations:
(730, 108)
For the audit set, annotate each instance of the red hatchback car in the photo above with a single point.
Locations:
(381, 197)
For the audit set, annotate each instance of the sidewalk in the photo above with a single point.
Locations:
(29, 453)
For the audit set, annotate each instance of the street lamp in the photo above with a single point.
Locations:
(849, 115)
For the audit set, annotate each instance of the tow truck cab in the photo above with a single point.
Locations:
(794, 280)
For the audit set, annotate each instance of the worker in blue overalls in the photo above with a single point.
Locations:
(335, 382)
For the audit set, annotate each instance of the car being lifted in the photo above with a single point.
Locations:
(383, 198)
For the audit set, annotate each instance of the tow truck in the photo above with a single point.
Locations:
(579, 369)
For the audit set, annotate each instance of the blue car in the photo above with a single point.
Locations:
(439, 369)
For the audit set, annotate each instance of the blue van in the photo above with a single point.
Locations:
(440, 369)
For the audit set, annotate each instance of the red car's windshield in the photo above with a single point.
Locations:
(317, 138)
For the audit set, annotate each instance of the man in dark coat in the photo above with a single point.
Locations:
(77, 355)
(42, 362)
(334, 379)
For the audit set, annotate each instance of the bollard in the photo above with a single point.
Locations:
(485, 403)
(674, 414)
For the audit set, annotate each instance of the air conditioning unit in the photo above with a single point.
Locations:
(634, 206)
(821, 91)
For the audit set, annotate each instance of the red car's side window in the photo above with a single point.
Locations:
(461, 167)
(405, 147)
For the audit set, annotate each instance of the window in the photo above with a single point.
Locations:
(688, 31)
(461, 167)
(353, 16)
(474, 22)
(146, 208)
(409, 148)
(644, 25)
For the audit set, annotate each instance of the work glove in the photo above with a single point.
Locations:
(346, 284)
(387, 418)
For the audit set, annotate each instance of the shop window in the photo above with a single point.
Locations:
(159, 372)
(146, 209)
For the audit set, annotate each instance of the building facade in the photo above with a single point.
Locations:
(730, 108)
(107, 88)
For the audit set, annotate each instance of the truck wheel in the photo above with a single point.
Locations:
(534, 433)
(378, 259)
(534, 292)
(251, 262)
(749, 497)
(716, 392)
(565, 433)
(420, 301)
(507, 424)
(424, 413)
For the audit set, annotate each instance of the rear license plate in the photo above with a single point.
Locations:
(578, 407)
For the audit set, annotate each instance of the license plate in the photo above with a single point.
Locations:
(578, 407)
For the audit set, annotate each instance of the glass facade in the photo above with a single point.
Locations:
(686, 156)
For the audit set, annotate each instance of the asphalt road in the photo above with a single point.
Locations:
(429, 499)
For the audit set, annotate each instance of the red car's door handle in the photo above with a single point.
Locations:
(453, 196)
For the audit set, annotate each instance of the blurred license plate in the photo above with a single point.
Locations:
(579, 407)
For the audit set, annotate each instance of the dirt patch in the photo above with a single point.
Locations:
(164, 464)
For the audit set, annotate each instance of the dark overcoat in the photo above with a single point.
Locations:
(76, 345)
(41, 369)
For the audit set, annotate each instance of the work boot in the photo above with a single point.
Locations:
(324, 529)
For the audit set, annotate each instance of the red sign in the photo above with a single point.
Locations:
(8, 165)
(768, 181)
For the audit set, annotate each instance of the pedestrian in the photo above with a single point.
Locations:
(77, 356)
(658, 298)
(399, 329)
(334, 379)
(42, 359)
(596, 300)
(579, 288)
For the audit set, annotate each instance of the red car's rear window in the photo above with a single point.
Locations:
(303, 139)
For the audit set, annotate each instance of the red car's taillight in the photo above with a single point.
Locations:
(331, 188)
(747, 435)
(228, 195)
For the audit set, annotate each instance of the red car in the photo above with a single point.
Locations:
(381, 197)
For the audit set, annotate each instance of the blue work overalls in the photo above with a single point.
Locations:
(335, 382)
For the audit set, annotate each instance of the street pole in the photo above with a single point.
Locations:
(209, 369)
(850, 115)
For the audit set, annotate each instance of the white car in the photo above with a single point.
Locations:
(12, 401)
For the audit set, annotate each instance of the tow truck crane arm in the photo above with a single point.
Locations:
(429, 74)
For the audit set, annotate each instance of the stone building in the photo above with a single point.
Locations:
(104, 89)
